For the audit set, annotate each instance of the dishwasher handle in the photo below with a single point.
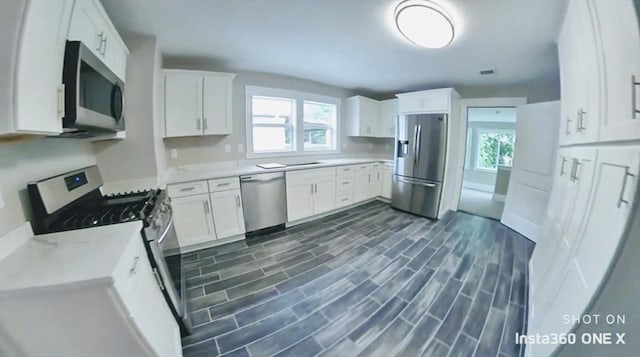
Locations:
(262, 177)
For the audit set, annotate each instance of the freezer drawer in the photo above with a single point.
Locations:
(416, 196)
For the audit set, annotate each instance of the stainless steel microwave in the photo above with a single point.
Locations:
(94, 95)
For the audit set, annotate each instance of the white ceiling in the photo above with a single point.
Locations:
(352, 43)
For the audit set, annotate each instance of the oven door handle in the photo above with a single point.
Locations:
(167, 228)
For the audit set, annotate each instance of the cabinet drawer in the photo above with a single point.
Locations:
(388, 165)
(344, 200)
(187, 189)
(363, 168)
(345, 170)
(224, 184)
(345, 184)
(311, 174)
(375, 165)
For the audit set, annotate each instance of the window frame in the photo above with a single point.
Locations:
(298, 121)
(479, 132)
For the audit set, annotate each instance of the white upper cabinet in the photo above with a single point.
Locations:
(619, 33)
(371, 118)
(197, 103)
(580, 74)
(599, 55)
(362, 116)
(216, 103)
(388, 118)
(91, 26)
(428, 101)
(183, 104)
(32, 62)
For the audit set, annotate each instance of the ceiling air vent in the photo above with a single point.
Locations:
(487, 72)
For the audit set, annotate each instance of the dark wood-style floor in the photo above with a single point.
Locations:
(369, 281)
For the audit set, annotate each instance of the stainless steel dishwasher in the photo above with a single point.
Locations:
(264, 200)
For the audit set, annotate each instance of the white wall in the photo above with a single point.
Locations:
(32, 160)
(138, 159)
(196, 150)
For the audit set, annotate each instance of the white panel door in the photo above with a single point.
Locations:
(193, 220)
(299, 199)
(369, 117)
(227, 213)
(532, 172)
(375, 186)
(324, 195)
(39, 96)
(216, 105)
(621, 47)
(388, 118)
(183, 104)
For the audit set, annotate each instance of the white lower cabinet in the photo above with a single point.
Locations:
(227, 213)
(387, 178)
(324, 195)
(595, 187)
(310, 192)
(193, 220)
(114, 308)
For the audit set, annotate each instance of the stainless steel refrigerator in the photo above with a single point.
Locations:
(420, 155)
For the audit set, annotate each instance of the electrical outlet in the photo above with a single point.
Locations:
(227, 148)
(240, 148)
(174, 153)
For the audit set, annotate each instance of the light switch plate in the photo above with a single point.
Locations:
(240, 148)
(174, 153)
(227, 148)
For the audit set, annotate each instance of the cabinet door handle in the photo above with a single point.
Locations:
(223, 184)
(204, 123)
(378, 176)
(100, 36)
(634, 109)
(316, 188)
(564, 161)
(312, 189)
(621, 199)
(158, 279)
(206, 206)
(238, 201)
(369, 180)
(61, 108)
(134, 266)
(580, 121)
(566, 128)
(198, 124)
(104, 48)
(574, 170)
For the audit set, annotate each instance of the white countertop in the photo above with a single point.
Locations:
(202, 172)
(76, 256)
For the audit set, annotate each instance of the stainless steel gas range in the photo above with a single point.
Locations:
(74, 201)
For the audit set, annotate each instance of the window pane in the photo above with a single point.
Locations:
(272, 123)
(271, 110)
(488, 150)
(505, 154)
(319, 126)
(272, 138)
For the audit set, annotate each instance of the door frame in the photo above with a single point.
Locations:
(465, 104)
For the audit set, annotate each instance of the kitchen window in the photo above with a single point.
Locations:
(288, 123)
(495, 148)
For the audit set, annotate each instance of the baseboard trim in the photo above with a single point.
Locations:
(213, 243)
(334, 211)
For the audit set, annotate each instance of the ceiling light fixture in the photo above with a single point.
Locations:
(424, 23)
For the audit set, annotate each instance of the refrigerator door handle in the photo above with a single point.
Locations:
(415, 182)
(418, 139)
(415, 146)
